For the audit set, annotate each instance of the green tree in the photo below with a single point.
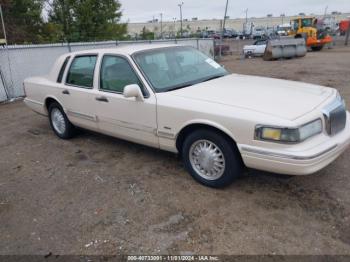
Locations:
(61, 18)
(146, 34)
(88, 20)
(52, 33)
(23, 20)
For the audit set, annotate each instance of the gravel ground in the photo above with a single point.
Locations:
(98, 195)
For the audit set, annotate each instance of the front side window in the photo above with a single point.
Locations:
(81, 72)
(173, 68)
(116, 73)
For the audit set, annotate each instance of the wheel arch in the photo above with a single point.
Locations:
(49, 100)
(202, 124)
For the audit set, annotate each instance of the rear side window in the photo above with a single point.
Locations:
(81, 72)
(63, 68)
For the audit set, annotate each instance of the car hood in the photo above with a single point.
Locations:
(281, 98)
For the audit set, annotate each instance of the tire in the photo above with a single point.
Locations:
(59, 122)
(317, 48)
(225, 166)
(249, 54)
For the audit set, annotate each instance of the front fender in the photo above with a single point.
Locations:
(205, 122)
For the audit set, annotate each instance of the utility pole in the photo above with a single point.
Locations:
(174, 31)
(325, 11)
(283, 16)
(161, 25)
(223, 27)
(224, 23)
(180, 5)
(3, 25)
(246, 22)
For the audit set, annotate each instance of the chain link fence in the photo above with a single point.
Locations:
(3, 90)
(18, 62)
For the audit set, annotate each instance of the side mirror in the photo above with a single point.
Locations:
(133, 91)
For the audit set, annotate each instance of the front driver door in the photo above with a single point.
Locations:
(122, 117)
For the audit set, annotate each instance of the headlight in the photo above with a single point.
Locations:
(288, 135)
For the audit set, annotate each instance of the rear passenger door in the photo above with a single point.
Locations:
(122, 117)
(78, 94)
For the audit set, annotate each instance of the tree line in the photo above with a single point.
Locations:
(50, 21)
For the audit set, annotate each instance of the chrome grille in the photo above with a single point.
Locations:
(335, 117)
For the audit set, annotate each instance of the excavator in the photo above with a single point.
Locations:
(306, 27)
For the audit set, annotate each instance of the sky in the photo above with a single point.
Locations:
(145, 10)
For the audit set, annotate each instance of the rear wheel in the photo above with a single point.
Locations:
(211, 158)
(59, 122)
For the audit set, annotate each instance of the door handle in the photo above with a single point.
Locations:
(65, 92)
(102, 99)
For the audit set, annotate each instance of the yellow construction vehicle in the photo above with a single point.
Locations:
(306, 27)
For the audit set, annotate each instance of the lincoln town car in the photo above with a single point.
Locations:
(177, 99)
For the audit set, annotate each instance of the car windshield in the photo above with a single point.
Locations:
(173, 68)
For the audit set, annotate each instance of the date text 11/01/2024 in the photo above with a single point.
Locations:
(173, 258)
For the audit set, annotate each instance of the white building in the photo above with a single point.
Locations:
(214, 24)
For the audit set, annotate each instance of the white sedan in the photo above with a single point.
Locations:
(177, 99)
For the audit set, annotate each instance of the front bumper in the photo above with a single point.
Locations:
(297, 163)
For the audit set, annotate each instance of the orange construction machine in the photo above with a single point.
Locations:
(306, 27)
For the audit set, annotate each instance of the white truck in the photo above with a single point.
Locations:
(259, 32)
(282, 30)
(255, 50)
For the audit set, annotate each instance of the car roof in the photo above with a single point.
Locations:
(126, 49)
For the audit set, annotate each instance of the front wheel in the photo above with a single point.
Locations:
(211, 158)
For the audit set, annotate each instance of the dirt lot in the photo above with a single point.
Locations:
(99, 195)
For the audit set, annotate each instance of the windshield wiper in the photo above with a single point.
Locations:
(179, 87)
(191, 84)
(212, 78)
